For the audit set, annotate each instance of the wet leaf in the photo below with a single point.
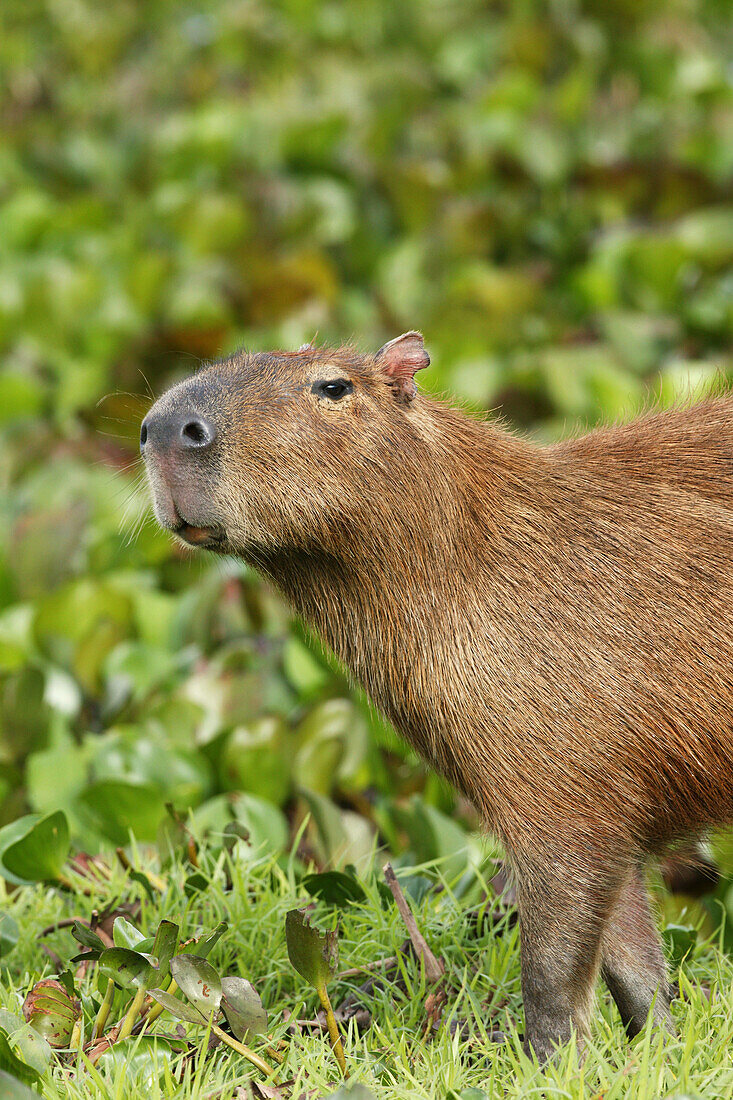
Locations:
(314, 954)
(130, 969)
(198, 980)
(242, 1007)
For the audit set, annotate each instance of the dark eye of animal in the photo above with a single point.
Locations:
(334, 389)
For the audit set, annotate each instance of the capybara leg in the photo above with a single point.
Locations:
(633, 964)
(561, 924)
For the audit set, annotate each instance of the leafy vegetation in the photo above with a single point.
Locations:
(543, 189)
(221, 990)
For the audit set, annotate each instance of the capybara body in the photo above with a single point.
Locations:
(551, 627)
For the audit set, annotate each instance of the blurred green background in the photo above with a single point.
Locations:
(543, 188)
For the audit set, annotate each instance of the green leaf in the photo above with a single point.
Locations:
(87, 938)
(125, 934)
(140, 1061)
(118, 807)
(51, 1011)
(9, 933)
(40, 854)
(180, 1009)
(680, 939)
(128, 968)
(12, 1064)
(335, 888)
(13, 1089)
(31, 1047)
(314, 954)
(254, 759)
(265, 823)
(242, 1007)
(9, 834)
(198, 980)
(166, 941)
(195, 883)
(202, 947)
(302, 669)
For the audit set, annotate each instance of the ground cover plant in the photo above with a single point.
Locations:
(544, 190)
(201, 967)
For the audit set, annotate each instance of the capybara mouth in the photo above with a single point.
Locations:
(206, 538)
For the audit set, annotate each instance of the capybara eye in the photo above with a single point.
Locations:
(334, 389)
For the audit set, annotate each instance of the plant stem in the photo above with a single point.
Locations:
(104, 1008)
(333, 1030)
(156, 1010)
(242, 1049)
(132, 1013)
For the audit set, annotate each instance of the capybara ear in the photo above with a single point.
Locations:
(400, 359)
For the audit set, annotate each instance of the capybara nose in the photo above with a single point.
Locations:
(187, 431)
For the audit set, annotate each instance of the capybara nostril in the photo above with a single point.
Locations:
(171, 431)
(196, 433)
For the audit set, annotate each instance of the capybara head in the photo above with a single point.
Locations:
(269, 451)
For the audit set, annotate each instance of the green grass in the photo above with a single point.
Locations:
(392, 1057)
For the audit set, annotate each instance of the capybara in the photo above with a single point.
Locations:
(551, 627)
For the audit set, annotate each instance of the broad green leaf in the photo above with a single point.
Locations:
(31, 1047)
(9, 834)
(680, 939)
(195, 883)
(198, 980)
(335, 721)
(13, 1089)
(125, 934)
(40, 854)
(335, 888)
(118, 807)
(8, 934)
(12, 1064)
(242, 1007)
(254, 758)
(141, 1061)
(265, 823)
(340, 835)
(314, 954)
(130, 969)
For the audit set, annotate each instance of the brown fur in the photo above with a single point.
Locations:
(552, 628)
